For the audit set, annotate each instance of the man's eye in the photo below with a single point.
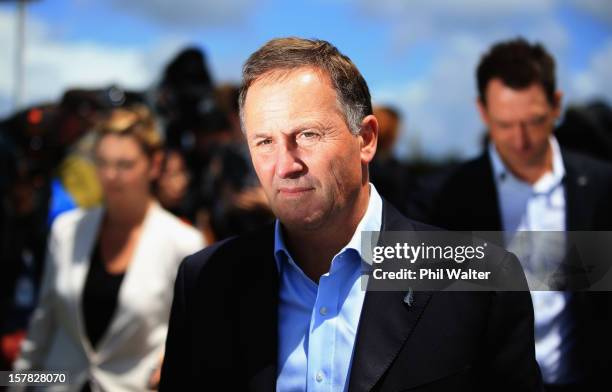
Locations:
(264, 142)
(538, 121)
(307, 135)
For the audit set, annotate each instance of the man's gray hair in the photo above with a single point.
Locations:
(289, 54)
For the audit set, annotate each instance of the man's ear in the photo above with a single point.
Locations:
(482, 110)
(368, 138)
(558, 97)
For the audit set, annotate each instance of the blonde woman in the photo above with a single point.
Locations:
(107, 287)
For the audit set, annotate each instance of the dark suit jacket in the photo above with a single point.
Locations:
(223, 329)
(468, 200)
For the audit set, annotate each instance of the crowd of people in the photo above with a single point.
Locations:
(107, 191)
(176, 149)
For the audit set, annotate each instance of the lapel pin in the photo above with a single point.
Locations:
(582, 180)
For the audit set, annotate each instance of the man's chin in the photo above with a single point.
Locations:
(293, 220)
(519, 159)
(527, 160)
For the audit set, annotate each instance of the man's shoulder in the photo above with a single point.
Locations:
(497, 256)
(459, 178)
(470, 170)
(584, 164)
(394, 220)
(232, 253)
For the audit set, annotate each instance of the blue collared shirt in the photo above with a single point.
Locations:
(540, 207)
(317, 324)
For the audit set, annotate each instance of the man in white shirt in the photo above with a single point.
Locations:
(524, 181)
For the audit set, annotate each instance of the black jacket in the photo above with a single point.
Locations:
(223, 329)
(468, 200)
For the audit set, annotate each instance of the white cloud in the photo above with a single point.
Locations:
(7, 55)
(53, 65)
(600, 9)
(440, 115)
(596, 80)
(5, 102)
(188, 13)
(416, 21)
(465, 9)
(551, 33)
(439, 107)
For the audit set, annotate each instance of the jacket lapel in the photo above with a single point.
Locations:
(386, 322)
(85, 237)
(482, 211)
(576, 186)
(486, 200)
(258, 311)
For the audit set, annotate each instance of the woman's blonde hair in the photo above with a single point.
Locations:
(136, 121)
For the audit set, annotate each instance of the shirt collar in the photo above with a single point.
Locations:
(371, 221)
(548, 180)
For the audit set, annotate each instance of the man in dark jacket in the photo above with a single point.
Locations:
(525, 182)
(283, 309)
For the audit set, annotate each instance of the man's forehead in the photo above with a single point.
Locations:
(281, 75)
(289, 100)
(502, 98)
(498, 89)
(297, 92)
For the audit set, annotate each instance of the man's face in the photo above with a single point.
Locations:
(310, 165)
(520, 122)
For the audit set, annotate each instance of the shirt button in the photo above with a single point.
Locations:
(319, 376)
(323, 310)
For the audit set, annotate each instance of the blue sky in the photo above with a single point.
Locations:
(417, 55)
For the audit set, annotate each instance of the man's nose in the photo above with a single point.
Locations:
(521, 139)
(288, 164)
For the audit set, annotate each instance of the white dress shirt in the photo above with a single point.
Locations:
(538, 208)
